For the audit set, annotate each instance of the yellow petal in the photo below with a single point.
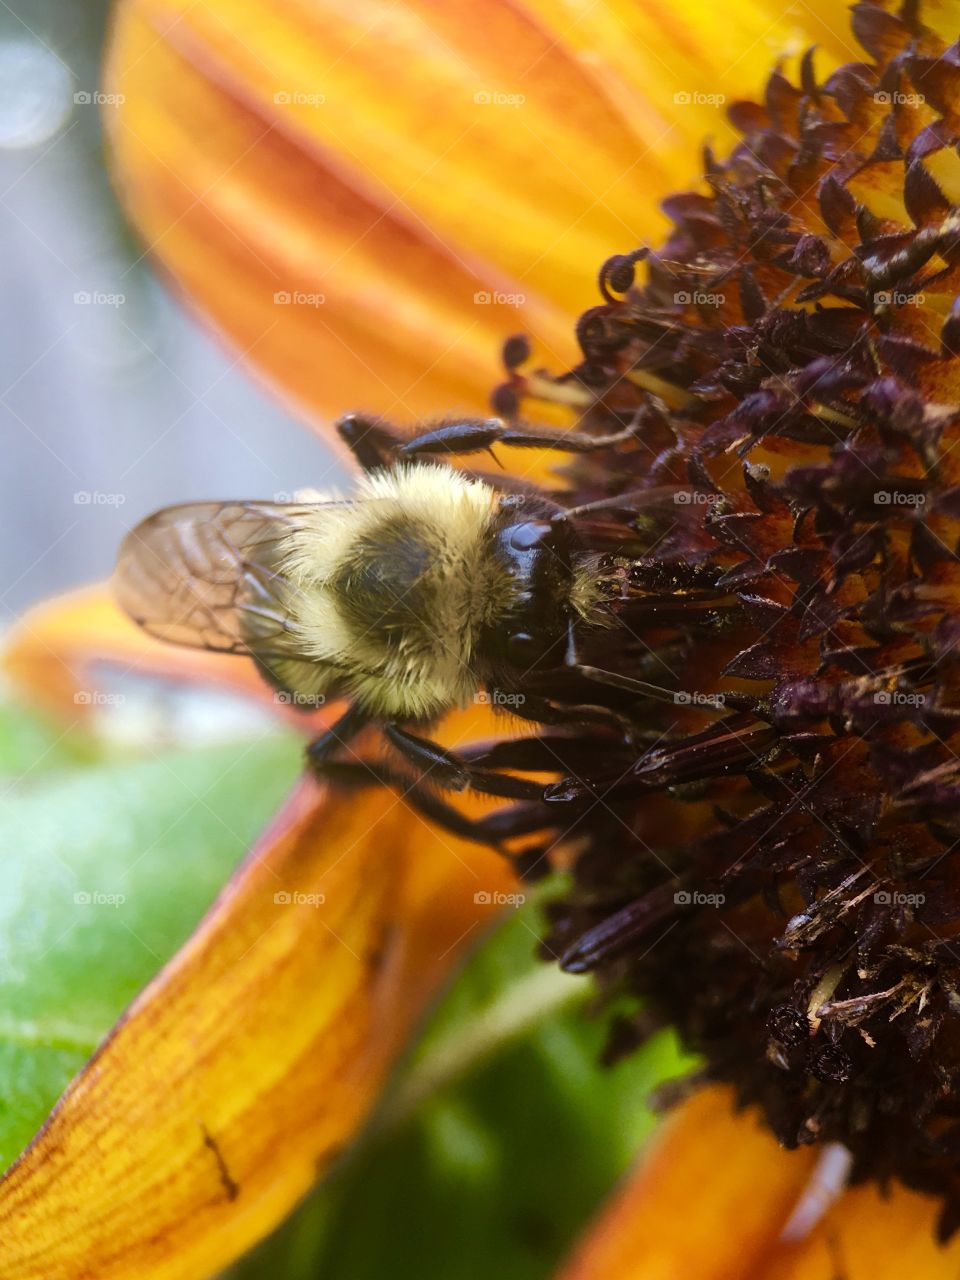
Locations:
(62, 647)
(399, 161)
(871, 1236)
(251, 1059)
(714, 1195)
(709, 1201)
(57, 650)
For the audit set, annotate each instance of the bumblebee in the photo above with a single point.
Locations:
(426, 589)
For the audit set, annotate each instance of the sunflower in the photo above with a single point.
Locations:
(769, 866)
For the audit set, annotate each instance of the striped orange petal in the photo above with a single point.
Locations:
(366, 199)
(251, 1059)
(718, 1199)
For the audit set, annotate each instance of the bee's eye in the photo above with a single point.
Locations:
(529, 534)
(522, 648)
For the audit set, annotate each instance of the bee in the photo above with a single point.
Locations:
(427, 587)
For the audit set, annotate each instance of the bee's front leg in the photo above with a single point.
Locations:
(491, 830)
(340, 734)
(372, 442)
(449, 770)
(471, 435)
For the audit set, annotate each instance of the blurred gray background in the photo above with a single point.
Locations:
(113, 401)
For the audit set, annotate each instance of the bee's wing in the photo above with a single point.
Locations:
(204, 574)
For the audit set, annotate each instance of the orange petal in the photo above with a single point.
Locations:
(713, 1197)
(709, 1201)
(251, 1059)
(56, 653)
(60, 650)
(398, 161)
(870, 1236)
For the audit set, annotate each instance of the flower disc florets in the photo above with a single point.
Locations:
(769, 857)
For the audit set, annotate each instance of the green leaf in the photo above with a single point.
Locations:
(105, 873)
(31, 745)
(500, 1139)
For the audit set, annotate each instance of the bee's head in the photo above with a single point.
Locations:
(536, 553)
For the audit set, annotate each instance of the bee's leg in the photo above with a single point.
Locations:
(490, 830)
(472, 435)
(339, 734)
(371, 441)
(630, 684)
(450, 770)
(540, 710)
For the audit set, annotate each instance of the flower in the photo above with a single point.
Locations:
(405, 232)
(767, 1214)
(797, 625)
(771, 867)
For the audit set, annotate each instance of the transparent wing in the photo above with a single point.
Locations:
(204, 574)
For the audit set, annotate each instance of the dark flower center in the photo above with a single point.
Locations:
(768, 839)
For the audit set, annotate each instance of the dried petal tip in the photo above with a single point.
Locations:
(773, 863)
